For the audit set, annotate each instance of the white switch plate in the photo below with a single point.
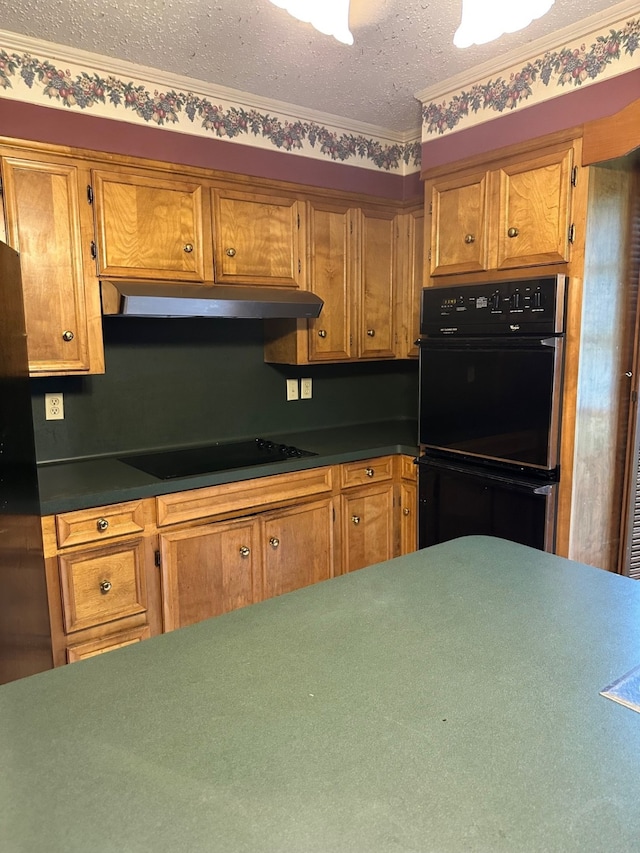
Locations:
(305, 389)
(53, 407)
(292, 389)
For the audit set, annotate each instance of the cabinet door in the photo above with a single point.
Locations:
(208, 570)
(331, 277)
(410, 281)
(44, 225)
(408, 517)
(148, 227)
(533, 220)
(459, 225)
(257, 239)
(367, 527)
(376, 328)
(298, 545)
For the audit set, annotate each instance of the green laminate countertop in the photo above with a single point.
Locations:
(443, 702)
(80, 484)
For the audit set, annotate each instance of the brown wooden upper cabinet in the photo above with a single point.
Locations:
(149, 226)
(257, 239)
(51, 228)
(516, 214)
(353, 266)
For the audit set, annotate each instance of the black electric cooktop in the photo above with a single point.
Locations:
(171, 464)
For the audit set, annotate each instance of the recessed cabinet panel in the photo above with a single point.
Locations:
(257, 239)
(43, 225)
(92, 648)
(458, 225)
(533, 226)
(331, 275)
(376, 328)
(298, 547)
(148, 227)
(208, 570)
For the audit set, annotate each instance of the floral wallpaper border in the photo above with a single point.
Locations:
(85, 90)
(539, 79)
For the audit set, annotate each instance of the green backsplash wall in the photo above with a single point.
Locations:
(177, 382)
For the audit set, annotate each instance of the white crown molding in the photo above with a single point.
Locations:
(521, 55)
(59, 54)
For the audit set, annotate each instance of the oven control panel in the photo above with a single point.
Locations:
(510, 307)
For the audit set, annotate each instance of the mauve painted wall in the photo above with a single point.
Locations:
(62, 127)
(569, 110)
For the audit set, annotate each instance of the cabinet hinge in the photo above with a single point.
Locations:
(89, 193)
(94, 251)
(0, 186)
(350, 226)
(574, 176)
(299, 265)
(430, 208)
(298, 220)
(634, 396)
(156, 558)
(333, 510)
(572, 232)
(429, 255)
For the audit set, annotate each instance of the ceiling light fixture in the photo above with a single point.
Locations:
(330, 17)
(486, 20)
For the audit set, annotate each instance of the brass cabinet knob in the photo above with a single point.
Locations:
(274, 542)
(244, 551)
(406, 511)
(369, 472)
(355, 519)
(512, 232)
(469, 238)
(67, 336)
(231, 252)
(102, 524)
(322, 333)
(371, 333)
(188, 248)
(105, 587)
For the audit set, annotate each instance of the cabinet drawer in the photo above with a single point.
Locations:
(94, 525)
(102, 584)
(366, 471)
(244, 497)
(91, 648)
(408, 468)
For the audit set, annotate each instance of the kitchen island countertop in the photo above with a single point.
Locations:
(447, 701)
(85, 483)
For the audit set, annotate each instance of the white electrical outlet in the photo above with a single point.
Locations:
(305, 389)
(53, 407)
(292, 389)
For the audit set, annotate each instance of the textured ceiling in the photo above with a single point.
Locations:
(401, 47)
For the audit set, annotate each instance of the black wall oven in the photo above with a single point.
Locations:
(491, 359)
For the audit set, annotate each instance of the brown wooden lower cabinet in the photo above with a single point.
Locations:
(367, 526)
(208, 570)
(121, 573)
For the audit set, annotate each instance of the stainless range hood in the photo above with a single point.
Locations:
(162, 299)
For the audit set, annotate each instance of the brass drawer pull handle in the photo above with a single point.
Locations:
(67, 336)
(322, 333)
(469, 238)
(406, 511)
(102, 524)
(188, 248)
(274, 542)
(371, 333)
(105, 587)
(369, 472)
(355, 519)
(512, 232)
(231, 252)
(244, 551)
